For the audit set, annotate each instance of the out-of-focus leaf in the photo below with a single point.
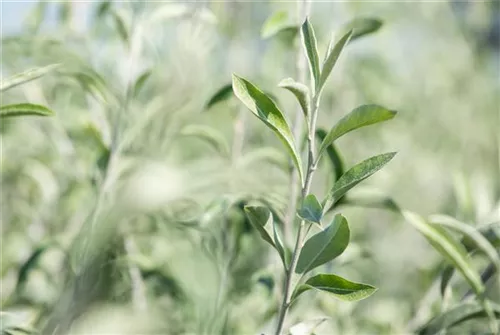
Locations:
(333, 155)
(450, 249)
(311, 48)
(94, 84)
(141, 80)
(121, 26)
(355, 175)
(360, 117)
(280, 246)
(311, 210)
(210, 135)
(26, 76)
(224, 93)
(471, 233)
(332, 58)
(24, 109)
(275, 23)
(65, 12)
(446, 276)
(102, 9)
(36, 16)
(340, 287)
(324, 246)
(300, 91)
(266, 110)
(306, 327)
(362, 26)
(456, 315)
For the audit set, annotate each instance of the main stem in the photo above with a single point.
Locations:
(311, 168)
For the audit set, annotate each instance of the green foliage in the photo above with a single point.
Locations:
(311, 209)
(24, 109)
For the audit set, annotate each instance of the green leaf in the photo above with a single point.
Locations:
(472, 234)
(259, 217)
(324, 246)
(311, 48)
(26, 76)
(332, 58)
(340, 287)
(121, 26)
(141, 80)
(311, 209)
(24, 109)
(102, 9)
(355, 175)
(450, 249)
(456, 315)
(333, 155)
(300, 91)
(36, 16)
(280, 246)
(360, 117)
(267, 111)
(208, 134)
(224, 93)
(445, 279)
(94, 84)
(274, 24)
(362, 26)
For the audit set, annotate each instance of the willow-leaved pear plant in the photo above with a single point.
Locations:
(333, 238)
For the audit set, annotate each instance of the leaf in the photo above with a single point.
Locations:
(450, 249)
(362, 26)
(472, 234)
(333, 155)
(332, 58)
(93, 83)
(102, 9)
(210, 135)
(355, 175)
(306, 327)
(311, 48)
(26, 76)
(36, 16)
(324, 246)
(445, 279)
(267, 111)
(300, 91)
(280, 246)
(259, 217)
(274, 24)
(141, 80)
(455, 316)
(340, 287)
(311, 210)
(24, 109)
(360, 117)
(121, 27)
(224, 93)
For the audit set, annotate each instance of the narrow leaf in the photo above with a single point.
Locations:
(450, 249)
(311, 48)
(274, 24)
(340, 287)
(141, 80)
(300, 91)
(259, 217)
(360, 117)
(324, 246)
(333, 155)
(355, 175)
(311, 210)
(471, 233)
(121, 27)
(26, 76)
(208, 134)
(362, 26)
(456, 315)
(280, 246)
(332, 58)
(266, 110)
(224, 93)
(24, 109)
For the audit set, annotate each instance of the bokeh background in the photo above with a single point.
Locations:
(115, 220)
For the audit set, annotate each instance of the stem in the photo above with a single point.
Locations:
(139, 300)
(303, 8)
(301, 234)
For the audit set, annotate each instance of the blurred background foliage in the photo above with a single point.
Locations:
(123, 212)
